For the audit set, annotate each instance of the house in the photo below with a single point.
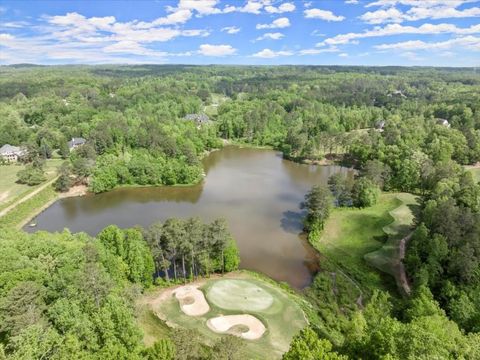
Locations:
(443, 122)
(11, 153)
(76, 142)
(200, 119)
(379, 125)
(397, 93)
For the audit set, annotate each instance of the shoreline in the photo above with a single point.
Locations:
(74, 191)
(82, 190)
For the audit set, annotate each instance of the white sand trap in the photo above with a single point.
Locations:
(224, 324)
(192, 301)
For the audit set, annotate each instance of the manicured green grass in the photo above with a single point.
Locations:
(283, 318)
(387, 257)
(27, 209)
(11, 191)
(350, 234)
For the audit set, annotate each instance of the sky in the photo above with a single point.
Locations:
(322, 32)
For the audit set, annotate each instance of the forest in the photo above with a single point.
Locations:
(410, 130)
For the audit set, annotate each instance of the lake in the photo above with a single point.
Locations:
(257, 191)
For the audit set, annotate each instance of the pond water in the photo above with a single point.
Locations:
(257, 191)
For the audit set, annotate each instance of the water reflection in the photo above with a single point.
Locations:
(255, 190)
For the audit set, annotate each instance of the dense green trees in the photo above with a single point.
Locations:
(64, 294)
(190, 248)
(318, 203)
(444, 251)
(60, 294)
(307, 346)
(142, 168)
(365, 192)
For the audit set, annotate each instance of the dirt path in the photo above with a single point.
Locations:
(402, 275)
(4, 195)
(27, 197)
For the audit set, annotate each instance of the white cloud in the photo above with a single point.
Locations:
(419, 3)
(6, 37)
(131, 47)
(268, 54)
(322, 15)
(468, 42)
(383, 16)
(351, 2)
(317, 33)
(231, 29)
(216, 50)
(180, 16)
(195, 32)
(78, 39)
(419, 10)
(74, 26)
(276, 24)
(332, 49)
(253, 7)
(398, 29)
(14, 24)
(202, 7)
(412, 56)
(343, 55)
(270, 36)
(283, 8)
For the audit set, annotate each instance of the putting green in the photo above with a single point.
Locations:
(235, 294)
(270, 316)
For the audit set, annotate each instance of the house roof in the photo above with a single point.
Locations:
(76, 142)
(201, 118)
(380, 124)
(10, 149)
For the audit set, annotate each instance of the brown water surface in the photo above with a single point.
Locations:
(255, 190)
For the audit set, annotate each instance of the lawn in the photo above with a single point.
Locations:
(11, 191)
(388, 257)
(350, 234)
(23, 212)
(217, 100)
(232, 294)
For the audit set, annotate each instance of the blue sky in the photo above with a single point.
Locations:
(343, 32)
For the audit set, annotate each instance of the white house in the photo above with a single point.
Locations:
(11, 153)
(443, 122)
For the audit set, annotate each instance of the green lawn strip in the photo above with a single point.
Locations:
(350, 234)
(15, 191)
(153, 328)
(387, 257)
(24, 211)
(283, 319)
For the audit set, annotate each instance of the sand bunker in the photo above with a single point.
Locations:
(192, 301)
(233, 324)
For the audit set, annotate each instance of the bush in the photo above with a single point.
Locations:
(365, 193)
(31, 176)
